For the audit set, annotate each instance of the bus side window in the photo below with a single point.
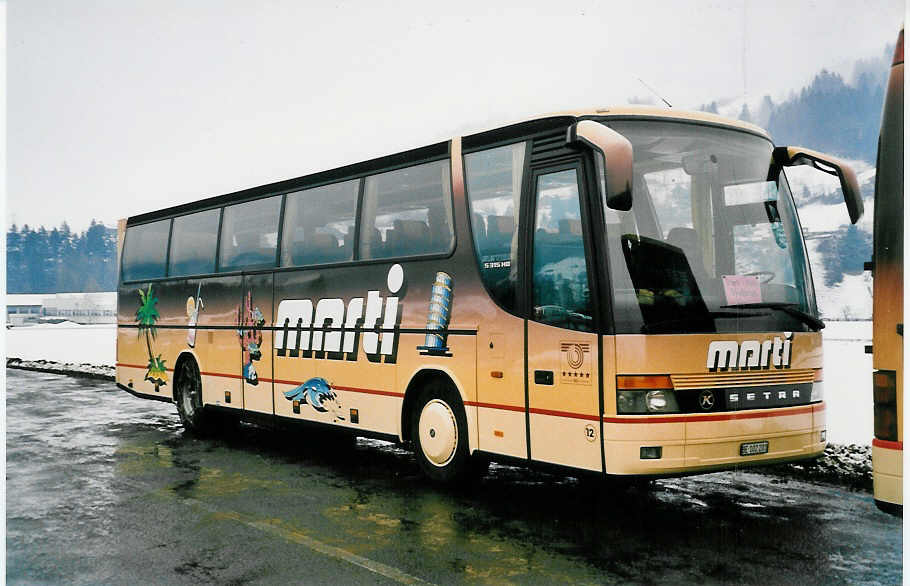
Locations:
(319, 225)
(249, 234)
(144, 251)
(193, 244)
(407, 212)
(493, 182)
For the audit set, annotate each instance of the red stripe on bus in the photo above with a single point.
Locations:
(533, 410)
(142, 366)
(349, 389)
(887, 445)
(494, 406)
(536, 411)
(370, 391)
(223, 375)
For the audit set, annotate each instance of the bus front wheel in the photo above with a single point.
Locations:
(439, 434)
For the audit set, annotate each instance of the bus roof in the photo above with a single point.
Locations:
(439, 149)
(656, 113)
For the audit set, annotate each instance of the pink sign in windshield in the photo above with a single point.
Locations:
(742, 289)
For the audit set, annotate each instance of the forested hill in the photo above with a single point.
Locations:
(831, 114)
(60, 261)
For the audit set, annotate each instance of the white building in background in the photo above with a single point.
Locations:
(83, 308)
(22, 309)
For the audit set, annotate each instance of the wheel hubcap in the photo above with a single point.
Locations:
(438, 432)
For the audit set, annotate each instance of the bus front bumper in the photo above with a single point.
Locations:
(700, 443)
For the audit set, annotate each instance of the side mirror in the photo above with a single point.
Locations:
(613, 154)
(792, 156)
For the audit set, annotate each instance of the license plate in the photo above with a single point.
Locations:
(753, 448)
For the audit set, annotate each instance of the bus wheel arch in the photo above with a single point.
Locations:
(434, 419)
(419, 382)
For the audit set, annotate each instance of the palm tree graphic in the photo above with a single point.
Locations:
(147, 315)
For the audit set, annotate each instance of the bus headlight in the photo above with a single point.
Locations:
(659, 400)
(642, 402)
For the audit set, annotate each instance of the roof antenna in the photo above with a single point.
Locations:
(669, 105)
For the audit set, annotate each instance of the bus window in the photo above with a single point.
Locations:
(494, 187)
(407, 212)
(144, 251)
(319, 225)
(193, 244)
(669, 191)
(561, 293)
(249, 234)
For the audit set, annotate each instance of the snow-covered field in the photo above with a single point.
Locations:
(848, 369)
(64, 342)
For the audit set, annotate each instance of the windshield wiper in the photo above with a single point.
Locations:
(788, 308)
(649, 328)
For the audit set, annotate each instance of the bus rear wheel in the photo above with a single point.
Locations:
(188, 397)
(439, 432)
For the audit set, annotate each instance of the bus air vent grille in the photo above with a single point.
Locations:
(550, 147)
(746, 378)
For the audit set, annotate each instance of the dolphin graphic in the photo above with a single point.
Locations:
(319, 394)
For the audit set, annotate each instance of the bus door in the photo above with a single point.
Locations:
(212, 305)
(562, 349)
(254, 317)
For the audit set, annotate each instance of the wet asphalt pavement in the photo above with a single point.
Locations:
(106, 488)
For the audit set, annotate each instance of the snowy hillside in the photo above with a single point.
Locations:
(825, 223)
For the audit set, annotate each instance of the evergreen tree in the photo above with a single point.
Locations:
(744, 114)
(59, 261)
(844, 253)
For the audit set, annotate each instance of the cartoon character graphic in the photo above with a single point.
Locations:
(438, 316)
(320, 395)
(250, 320)
(193, 307)
(147, 315)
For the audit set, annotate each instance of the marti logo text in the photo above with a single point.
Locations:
(302, 324)
(750, 354)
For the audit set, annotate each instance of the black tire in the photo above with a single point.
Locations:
(442, 452)
(188, 397)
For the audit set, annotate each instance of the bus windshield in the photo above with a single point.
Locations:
(712, 242)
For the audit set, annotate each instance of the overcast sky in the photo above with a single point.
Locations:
(121, 107)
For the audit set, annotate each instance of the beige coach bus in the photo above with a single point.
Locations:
(617, 292)
(888, 297)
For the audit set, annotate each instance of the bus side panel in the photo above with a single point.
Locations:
(147, 339)
(888, 288)
(501, 418)
(217, 348)
(256, 343)
(563, 391)
(315, 379)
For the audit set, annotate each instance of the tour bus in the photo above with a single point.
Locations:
(619, 291)
(888, 297)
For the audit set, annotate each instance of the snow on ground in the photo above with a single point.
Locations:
(848, 369)
(64, 342)
(848, 382)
